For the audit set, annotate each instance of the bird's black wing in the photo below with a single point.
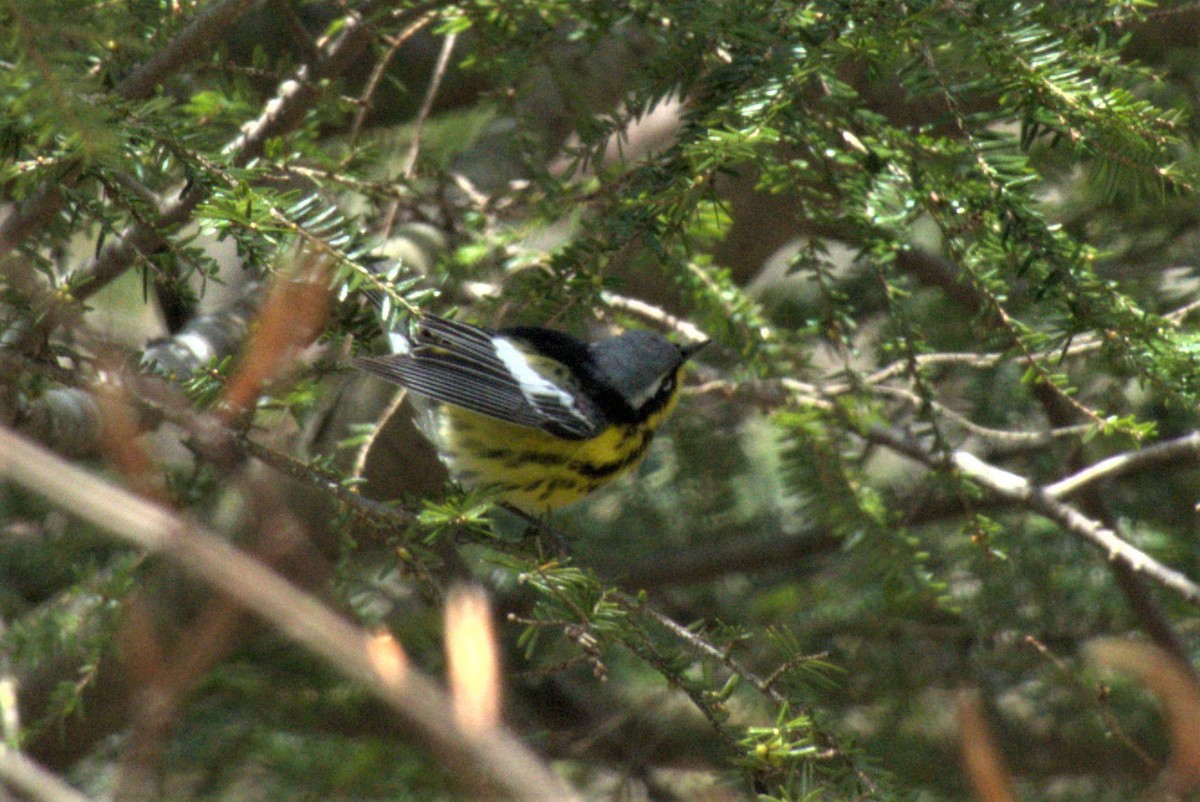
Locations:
(488, 373)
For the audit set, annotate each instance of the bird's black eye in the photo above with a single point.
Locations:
(668, 384)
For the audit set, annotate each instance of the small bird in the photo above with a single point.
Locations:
(535, 413)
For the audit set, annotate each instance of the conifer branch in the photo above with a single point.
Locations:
(36, 211)
(295, 96)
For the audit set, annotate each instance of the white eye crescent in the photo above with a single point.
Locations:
(650, 392)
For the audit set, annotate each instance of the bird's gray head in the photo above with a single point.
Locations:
(641, 366)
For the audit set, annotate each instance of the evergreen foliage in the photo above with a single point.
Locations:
(939, 247)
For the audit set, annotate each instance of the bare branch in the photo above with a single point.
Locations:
(494, 754)
(206, 338)
(984, 432)
(68, 419)
(297, 94)
(1181, 449)
(656, 315)
(1034, 498)
(195, 39)
(435, 83)
(1081, 346)
(24, 775)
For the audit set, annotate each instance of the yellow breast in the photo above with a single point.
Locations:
(534, 470)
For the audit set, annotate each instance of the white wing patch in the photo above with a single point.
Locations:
(489, 373)
(539, 392)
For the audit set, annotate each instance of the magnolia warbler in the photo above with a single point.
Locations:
(535, 413)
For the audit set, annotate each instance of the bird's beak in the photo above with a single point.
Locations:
(690, 349)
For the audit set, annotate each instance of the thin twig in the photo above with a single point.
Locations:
(435, 83)
(375, 513)
(984, 432)
(1080, 346)
(1182, 313)
(703, 648)
(1111, 722)
(380, 69)
(1186, 448)
(654, 314)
